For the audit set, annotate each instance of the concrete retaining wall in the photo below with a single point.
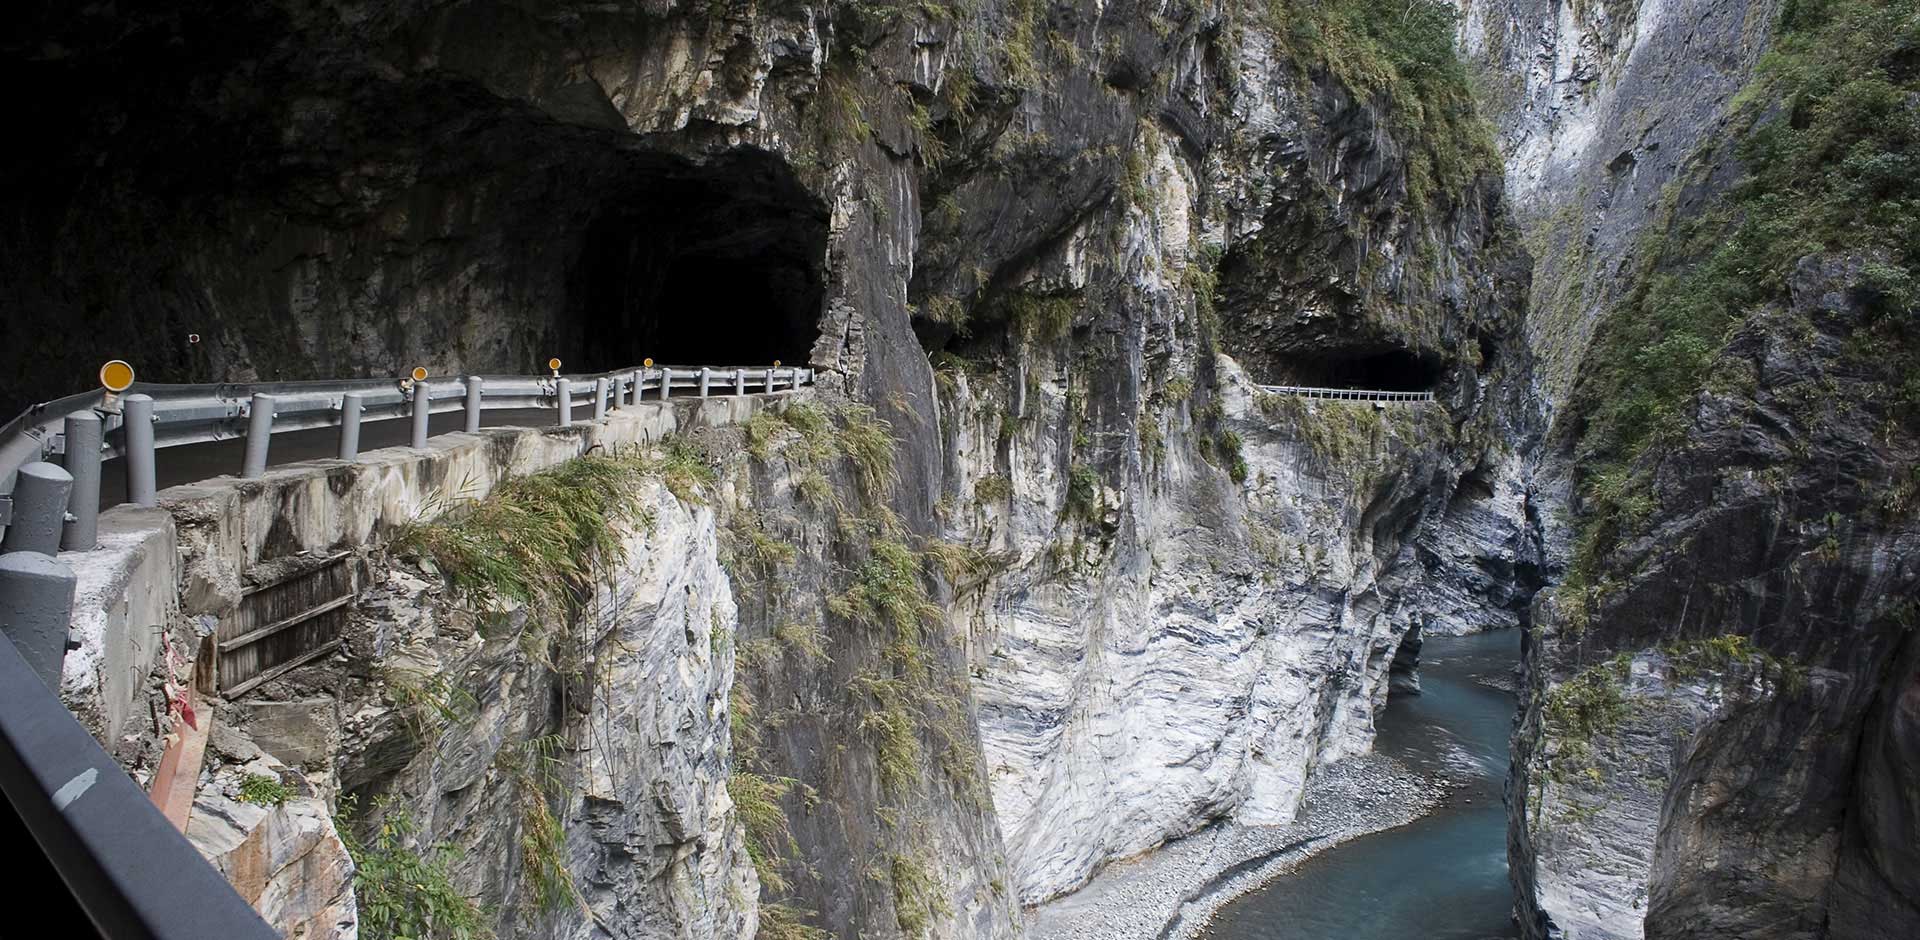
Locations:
(194, 557)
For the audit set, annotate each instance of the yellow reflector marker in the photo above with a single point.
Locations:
(419, 373)
(776, 363)
(116, 375)
(647, 362)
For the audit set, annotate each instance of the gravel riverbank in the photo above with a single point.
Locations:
(1172, 892)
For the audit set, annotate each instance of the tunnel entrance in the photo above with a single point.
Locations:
(719, 263)
(1394, 370)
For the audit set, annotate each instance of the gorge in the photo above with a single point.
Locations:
(1050, 608)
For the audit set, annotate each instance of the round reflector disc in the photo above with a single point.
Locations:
(116, 375)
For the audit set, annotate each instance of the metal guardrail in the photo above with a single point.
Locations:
(97, 835)
(192, 414)
(1346, 394)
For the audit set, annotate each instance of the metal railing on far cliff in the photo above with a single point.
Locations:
(1346, 394)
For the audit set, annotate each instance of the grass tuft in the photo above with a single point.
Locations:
(262, 790)
(536, 539)
(917, 895)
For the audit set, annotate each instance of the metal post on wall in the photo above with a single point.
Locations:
(82, 530)
(422, 410)
(40, 493)
(666, 383)
(599, 399)
(136, 412)
(351, 404)
(739, 381)
(474, 385)
(564, 389)
(259, 435)
(706, 379)
(36, 606)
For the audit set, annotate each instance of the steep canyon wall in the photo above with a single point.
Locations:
(1042, 580)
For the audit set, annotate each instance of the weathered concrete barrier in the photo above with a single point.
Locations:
(191, 561)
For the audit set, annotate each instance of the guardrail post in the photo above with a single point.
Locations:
(351, 404)
(39, 509)
(564, 389)
(36, 607)
(666, 384)
(83, 464)
(706, 380)
(136, 413)
(739, 381)
(473, 403)
(599, 399)
(259, 434)
(768, 381)
(422, 410)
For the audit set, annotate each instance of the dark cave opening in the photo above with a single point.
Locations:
(720, 263)
(1394, 370)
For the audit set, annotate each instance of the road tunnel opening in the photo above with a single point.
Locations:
(1393, 370)
(719, 263)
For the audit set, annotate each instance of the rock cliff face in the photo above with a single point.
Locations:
(1710, 710)
(572, 775)
(1196, 588)
(1598, 106)
(1043, 579)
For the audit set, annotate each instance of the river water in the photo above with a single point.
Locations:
(1442, 877)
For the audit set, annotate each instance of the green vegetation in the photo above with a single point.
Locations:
(535, 768)
(891, 724)
(754, 547)
(1228, 446)
(962, 565)
(262, 790)
(887, 592)
(786, 922)
(1038, 317)
(941, 308)
(430, 701)
(1591, 703)
(1831, 148)
(1400, 51)
(808, 641)
(536, 539)
(1717, 656)
(681, 465)
(756, 799)
(1083, 494)
(993, 488)
(1017, 43)
(1588, 706)
(402, 894)
(1341, 433)
(840, 108)
(901, 697)
(917, 896)
(867, 440)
